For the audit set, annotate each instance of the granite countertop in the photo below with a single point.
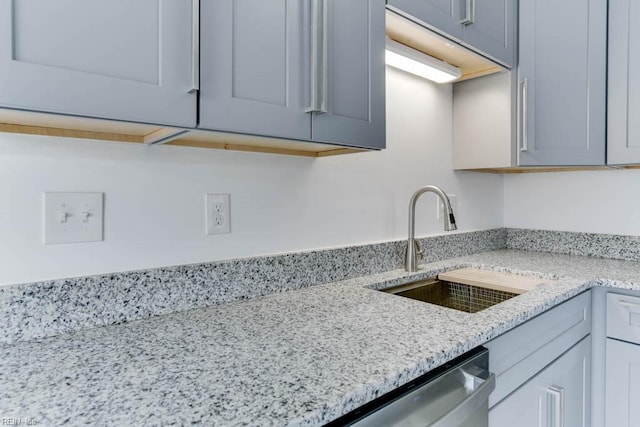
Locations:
(300, 357)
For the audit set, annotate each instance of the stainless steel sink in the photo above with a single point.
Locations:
(458, 296)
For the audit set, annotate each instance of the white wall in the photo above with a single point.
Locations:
(154, 196)
(605, 201)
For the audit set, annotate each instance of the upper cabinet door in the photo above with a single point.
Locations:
(355, 92)
(491, 29)
(442, 15)
(623, 140)
(115, 59)
(488, 26)
(255, 56)
(562, 82)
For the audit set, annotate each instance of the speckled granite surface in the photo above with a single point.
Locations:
(564, 242)
(298, 358)
(50, 308)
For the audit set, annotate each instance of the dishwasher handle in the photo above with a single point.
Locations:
(456, 416)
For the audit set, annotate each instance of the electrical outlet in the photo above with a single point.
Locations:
(217, 214)
(440, 206)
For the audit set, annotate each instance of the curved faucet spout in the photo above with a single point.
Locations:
(413, 248)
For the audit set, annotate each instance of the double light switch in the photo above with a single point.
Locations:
(73, 217)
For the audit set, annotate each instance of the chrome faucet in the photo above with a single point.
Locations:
(413, 246)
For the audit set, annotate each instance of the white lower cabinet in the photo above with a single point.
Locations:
(623, 384)
(558, 396)
(575, 365)
(543, 369)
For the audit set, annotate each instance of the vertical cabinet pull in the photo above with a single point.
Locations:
(555, 400)
(195, 46)
(319, 66)
(524, 131)
(469, 12)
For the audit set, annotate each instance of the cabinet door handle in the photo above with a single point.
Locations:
(195, 46)
(469, 12)
(319, 66)
(524, 128)
(555, 395)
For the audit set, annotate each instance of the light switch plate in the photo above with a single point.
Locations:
(72, 217)
(217, 213)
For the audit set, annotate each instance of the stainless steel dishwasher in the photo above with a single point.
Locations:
(453, 395)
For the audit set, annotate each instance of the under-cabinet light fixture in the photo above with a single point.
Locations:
(415, 62)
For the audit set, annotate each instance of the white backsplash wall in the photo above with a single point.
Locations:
(154, 196)
(605, 201)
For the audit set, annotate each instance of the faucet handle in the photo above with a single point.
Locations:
(419, 251)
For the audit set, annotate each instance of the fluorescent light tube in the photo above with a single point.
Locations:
(412, 61)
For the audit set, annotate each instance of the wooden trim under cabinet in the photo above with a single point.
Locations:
(539, 169)
(32, 123)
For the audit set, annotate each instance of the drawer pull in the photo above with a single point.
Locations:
(319, 64)
(469, 13)
(524, 121)
(195, 46)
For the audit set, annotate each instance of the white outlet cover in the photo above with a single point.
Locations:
(72, 217)
(217, 213)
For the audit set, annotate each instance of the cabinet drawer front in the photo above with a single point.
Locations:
(522, 352)
(514, 346)
(623, 317)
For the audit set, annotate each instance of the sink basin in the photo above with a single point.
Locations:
(458, 296)
(468, 289)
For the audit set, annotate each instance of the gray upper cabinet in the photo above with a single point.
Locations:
(562, 82)
(491, 29)
(623, 139)
(355, 92)
(487, 26)
(441, 15)
(310, 70)
(116, 59)
(254, 59)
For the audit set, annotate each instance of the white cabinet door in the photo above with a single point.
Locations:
(562, 75)
(622, 384)
(557, 396)
(356, 76)
(623, 138)
(115, 59)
